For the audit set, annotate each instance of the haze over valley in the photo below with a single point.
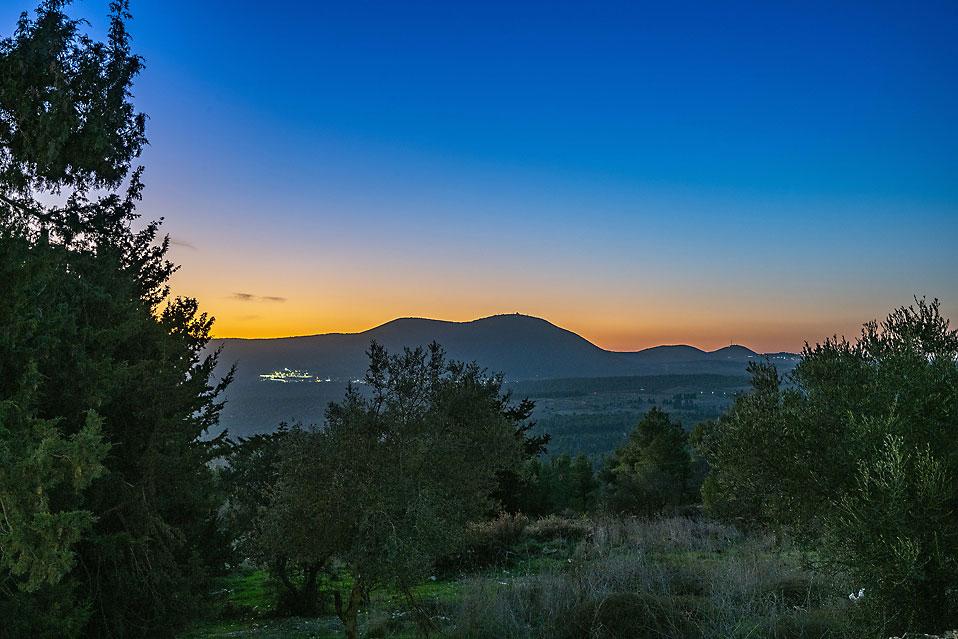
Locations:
(587, 397)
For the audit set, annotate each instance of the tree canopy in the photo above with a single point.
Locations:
(651, 472)
(858, 455)
(106, 388)
(389, 484)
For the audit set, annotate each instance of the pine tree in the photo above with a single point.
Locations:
(105, 383)
(651, 472)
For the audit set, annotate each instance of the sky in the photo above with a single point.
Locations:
(640, 173)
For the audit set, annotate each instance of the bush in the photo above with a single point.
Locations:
(684, 581)
(792, 589)
(555, 527)
(659, 578)
(662, 534)
(803, 624)
(856, 456)
(895, 535)
(489, 542)
(387, 625)
(632, 615)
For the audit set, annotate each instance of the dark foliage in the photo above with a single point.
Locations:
(105, 386)
(557, 485)
(860, 459)
(388, 487)
(651, 473)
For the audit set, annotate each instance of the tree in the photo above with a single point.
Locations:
(42, 477)
(105, 385)
(555, 480)
(301, 514)
(388, 486)
(255, 519)
(558, 484)
(584, 485)
(650, 473)
(514, 483)
(757, 437)
(247, 480)
(66, 120)
(894, 534)
(860, 459)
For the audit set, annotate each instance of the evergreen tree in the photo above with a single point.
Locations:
(105, 388)
(584, 485)
(515, 484)
(651, 472)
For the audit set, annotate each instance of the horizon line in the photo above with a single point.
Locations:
(495, 315)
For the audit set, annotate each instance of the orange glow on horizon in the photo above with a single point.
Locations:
(287, 320)
(308, 294)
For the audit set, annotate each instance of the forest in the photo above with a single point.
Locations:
(819, 504)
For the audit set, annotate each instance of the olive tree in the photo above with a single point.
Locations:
(403, 463)
(857, 455)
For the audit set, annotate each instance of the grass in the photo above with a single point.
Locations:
(677, 577)
(249, 589)
(664, 578)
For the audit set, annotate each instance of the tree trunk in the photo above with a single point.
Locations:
(299, 600)
(424, 622)
(309, 597)
(348, 614)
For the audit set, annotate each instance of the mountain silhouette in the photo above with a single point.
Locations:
(521, 347)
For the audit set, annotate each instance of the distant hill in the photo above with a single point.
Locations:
(521, 347)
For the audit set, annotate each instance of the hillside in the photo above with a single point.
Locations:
(519, 346)
(523, 348)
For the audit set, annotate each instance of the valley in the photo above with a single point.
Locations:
(588, 399)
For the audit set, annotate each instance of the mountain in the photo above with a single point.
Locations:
(523, 348)
(519, 346)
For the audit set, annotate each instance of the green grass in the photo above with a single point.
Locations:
(249, 589)
(245, 607)
(741, 587)
(290, 628)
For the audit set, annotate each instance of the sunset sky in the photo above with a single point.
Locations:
(640, 173)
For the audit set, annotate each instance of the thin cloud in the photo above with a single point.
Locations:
(249, 297)
(175, 241)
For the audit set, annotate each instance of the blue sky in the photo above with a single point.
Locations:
(638, 172)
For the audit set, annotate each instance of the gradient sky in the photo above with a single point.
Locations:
(640, 173)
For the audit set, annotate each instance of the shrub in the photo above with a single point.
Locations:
(858, 457)
(684, 581)
(792, 589)
(632, 615)
(489, 542)
(895, 535)
(662, 534)
(803, 624)
(385, 625)
(659, 578)
(528, 607)
(556, 527)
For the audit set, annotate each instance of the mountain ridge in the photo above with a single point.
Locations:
(432, 320)
(517, 345)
